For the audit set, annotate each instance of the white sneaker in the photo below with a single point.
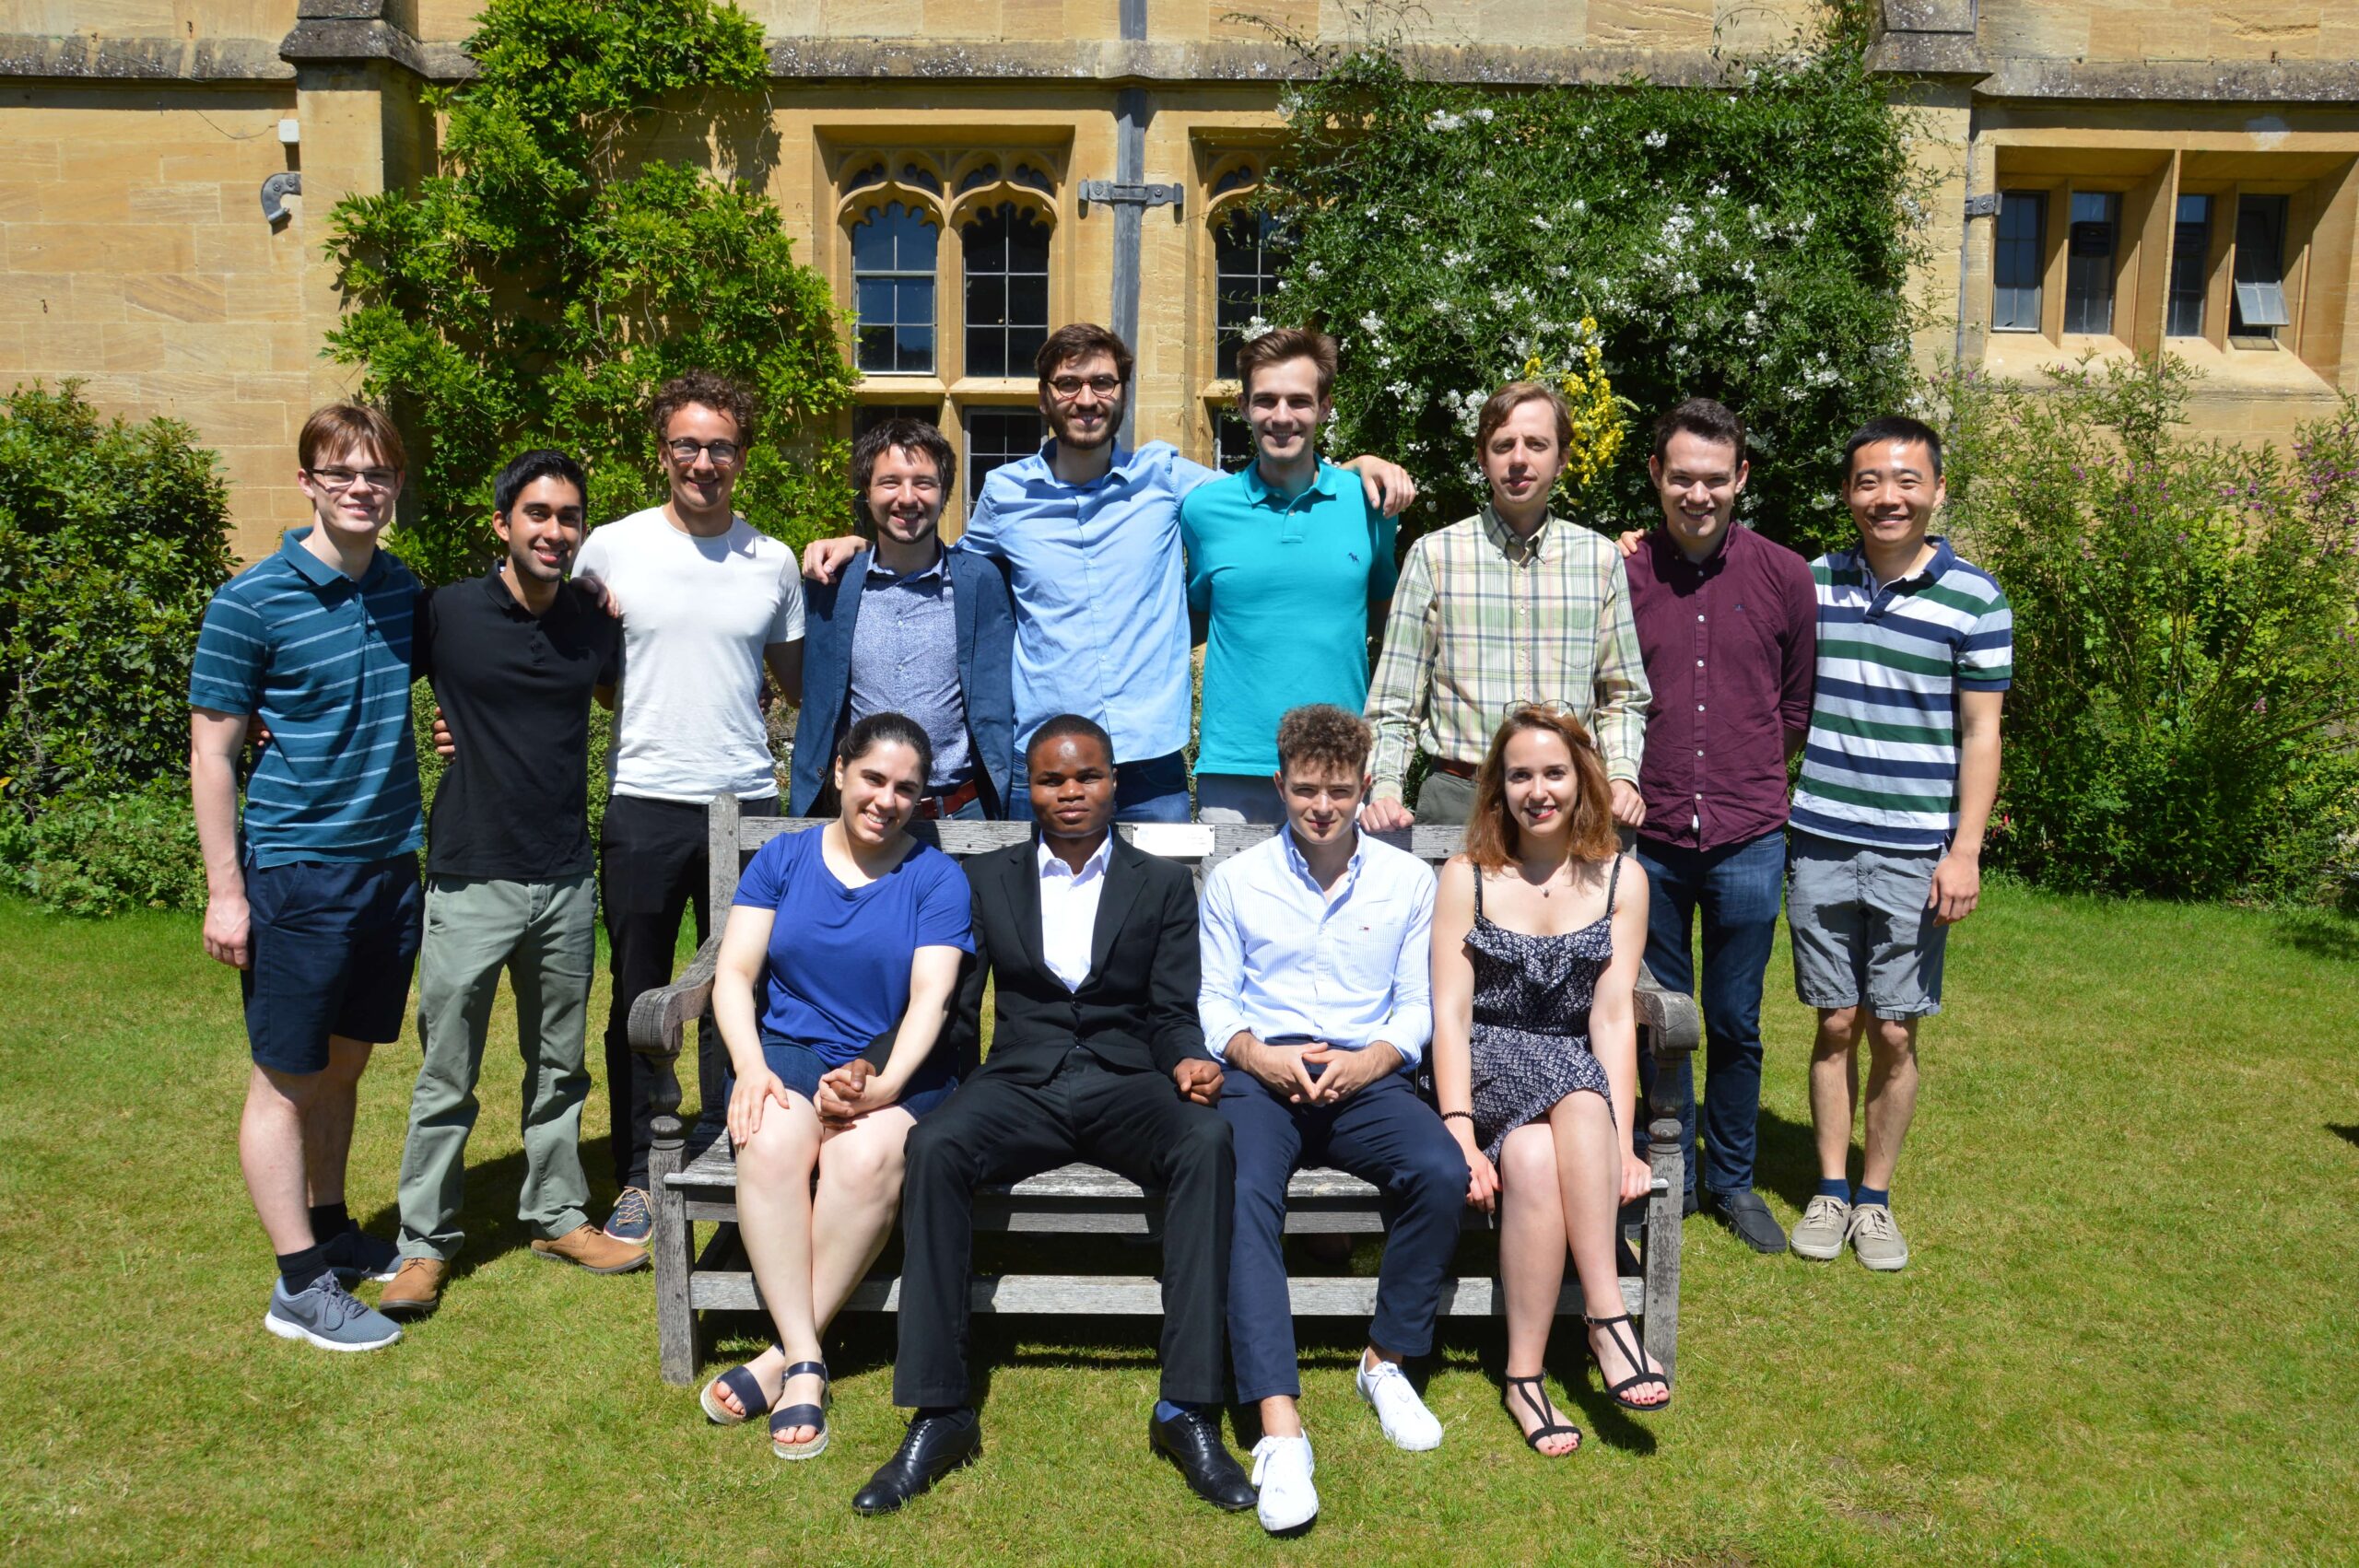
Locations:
(1282, 1469)
(1406, 1421)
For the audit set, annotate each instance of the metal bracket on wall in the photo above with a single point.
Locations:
(1111, 193)
(287, 183)
(1984, 205)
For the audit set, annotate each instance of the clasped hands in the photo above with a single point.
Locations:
(1286, 1070)
(845, 1094)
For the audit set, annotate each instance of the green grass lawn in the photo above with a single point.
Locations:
(2127, 1334)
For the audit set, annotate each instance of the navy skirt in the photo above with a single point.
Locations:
(800, 1068)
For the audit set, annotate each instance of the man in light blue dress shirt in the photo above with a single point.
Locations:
(1316, 994)
(1088, 533)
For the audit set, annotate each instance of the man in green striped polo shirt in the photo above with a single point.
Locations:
(1914, 653)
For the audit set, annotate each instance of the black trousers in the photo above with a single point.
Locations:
(653, 866)
(996, 1131)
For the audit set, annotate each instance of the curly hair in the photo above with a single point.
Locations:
(1322, 735)
(1492, 835)
(705, 389)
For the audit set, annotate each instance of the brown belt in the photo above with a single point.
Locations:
(1455, 769)
(938, 806)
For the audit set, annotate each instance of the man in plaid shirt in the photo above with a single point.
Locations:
(1509, 606)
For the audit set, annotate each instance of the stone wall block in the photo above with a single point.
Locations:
(178, 297)
(97, 247)
(1646, 24)
(176, 204)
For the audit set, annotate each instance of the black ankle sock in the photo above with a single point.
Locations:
(329, 1221)
(933, 1412)
(1867, 1195)
(299, 1271)
(1835, 1187)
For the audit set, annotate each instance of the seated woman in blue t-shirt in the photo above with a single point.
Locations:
(839, 935)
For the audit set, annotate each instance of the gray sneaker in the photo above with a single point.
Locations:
(1877, 1240)
(329, 1317)
(1819, 1234)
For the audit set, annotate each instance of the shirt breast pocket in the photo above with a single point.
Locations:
(1364, 945)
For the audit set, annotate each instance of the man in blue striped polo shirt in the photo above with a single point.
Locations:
(1914, 653)
(313, 895)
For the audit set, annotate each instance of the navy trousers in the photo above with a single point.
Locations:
(1383, 1134)
(1735, 887)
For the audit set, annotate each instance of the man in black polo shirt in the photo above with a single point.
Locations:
(515, 656)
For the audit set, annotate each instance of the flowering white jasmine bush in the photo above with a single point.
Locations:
(1748, 240)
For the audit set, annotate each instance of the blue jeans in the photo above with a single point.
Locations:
(1152, 791)
(1383, 1134)
(1737, 887)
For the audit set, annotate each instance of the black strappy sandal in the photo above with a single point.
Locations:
(1548, 1427)
(1627, 1344)
(813, 1416)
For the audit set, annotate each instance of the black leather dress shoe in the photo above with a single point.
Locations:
(1744, 1214)
(932, 1448)
(1192, 1441)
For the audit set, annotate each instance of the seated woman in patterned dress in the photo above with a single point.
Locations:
(1538, 929)
(842, 938)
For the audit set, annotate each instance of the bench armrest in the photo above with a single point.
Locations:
(660, 1018)
(1673, 1025)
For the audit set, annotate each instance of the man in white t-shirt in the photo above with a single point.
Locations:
(707, 605)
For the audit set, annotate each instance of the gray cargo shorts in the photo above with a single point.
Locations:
(1862, 933)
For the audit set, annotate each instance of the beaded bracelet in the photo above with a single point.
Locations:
(1468, 1115)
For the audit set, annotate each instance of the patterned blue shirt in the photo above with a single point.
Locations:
(1101, 606)
(325, 662)
(905, 661)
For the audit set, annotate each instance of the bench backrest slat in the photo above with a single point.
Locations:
(735, 837)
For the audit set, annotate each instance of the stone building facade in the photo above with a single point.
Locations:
(2114, 175)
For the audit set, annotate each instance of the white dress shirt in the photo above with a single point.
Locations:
(1069, 910)
(1348, 965)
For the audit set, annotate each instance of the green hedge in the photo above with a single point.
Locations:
(2186, 665)
(113, 538)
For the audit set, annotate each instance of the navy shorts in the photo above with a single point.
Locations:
(332, 946)
(800, 1068)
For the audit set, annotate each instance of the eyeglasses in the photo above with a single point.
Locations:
(1067, 388)
(340, 479)
(723, 453)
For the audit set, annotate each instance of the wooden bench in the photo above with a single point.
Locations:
(693, 1172)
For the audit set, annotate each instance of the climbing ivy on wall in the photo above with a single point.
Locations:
(537, 287)
(1747, 239)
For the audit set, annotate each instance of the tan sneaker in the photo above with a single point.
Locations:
(588, 1247)
(416, 1290)
(1876, 1238)
(1819, 1234)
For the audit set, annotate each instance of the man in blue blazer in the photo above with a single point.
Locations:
(911, 627)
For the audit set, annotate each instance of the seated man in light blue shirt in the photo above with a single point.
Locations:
(1088, 533)
(1315, 994)
(1289, 568)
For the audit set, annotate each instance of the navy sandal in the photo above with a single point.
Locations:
(1625, 1342)
(813, 1416)
(1535, 1395)
(740, 1381)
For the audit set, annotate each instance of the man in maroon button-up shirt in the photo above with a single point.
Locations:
(1727, 626)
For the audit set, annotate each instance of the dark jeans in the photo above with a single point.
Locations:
(1737, 887)
(994, 1129)
(1152, 790)
(651, 867)
(1383, 1134)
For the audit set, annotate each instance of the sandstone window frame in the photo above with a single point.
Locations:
(1229, 175)
(1024, 169)
(2315, 186)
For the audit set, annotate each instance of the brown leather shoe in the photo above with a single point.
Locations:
(588, 1247)
(416, 1290)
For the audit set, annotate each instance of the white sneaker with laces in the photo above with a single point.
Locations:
(1406, 1421)
(1281, 1469)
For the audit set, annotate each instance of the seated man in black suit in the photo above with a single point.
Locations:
(1098, 1055)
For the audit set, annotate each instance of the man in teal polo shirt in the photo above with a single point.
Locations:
(1289, 570)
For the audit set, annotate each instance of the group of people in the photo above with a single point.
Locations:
(1557, 694)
